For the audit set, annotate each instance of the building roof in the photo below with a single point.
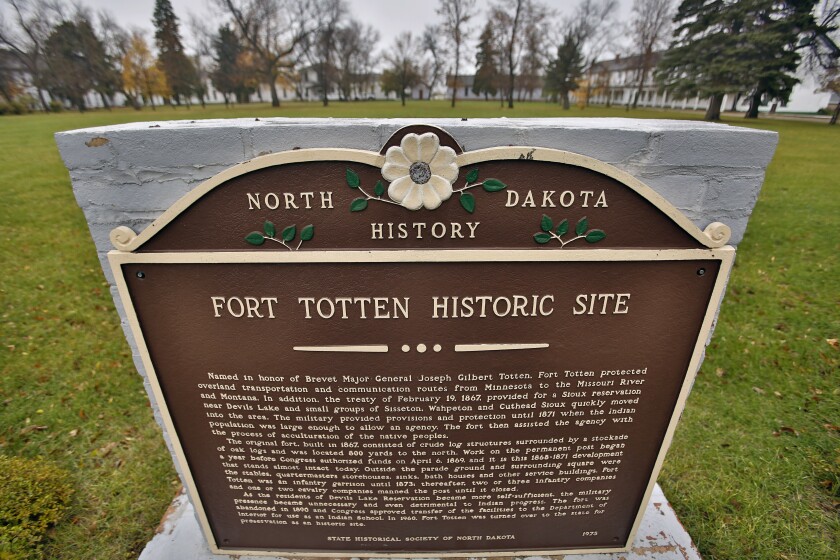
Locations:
(622, 63)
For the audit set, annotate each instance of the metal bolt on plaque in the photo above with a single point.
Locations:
(423, 350)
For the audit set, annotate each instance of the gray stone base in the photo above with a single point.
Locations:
(660, 537)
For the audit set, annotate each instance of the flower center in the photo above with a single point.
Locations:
(420, 172)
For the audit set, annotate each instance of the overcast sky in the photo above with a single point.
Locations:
(390, 17)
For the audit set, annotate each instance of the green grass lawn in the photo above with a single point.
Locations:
(754, 471)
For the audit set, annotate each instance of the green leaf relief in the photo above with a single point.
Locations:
(542, 238)
(493, 185)
(562, 228)
(468, 202)
(268, 228)
(352, 179)
(307, 233)
(358, 205)
(472, 176)
(289, 233)
(379, 189)
(255, 238)
(595, 236)
(546, 224)
(581, 226)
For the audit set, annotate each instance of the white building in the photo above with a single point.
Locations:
(616, 81)
(465, 91)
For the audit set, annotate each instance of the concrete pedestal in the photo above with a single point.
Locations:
(660, 537)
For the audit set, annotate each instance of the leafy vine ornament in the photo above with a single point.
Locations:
(421, 173)
(549, 232)
(287, 235)
(466, 199)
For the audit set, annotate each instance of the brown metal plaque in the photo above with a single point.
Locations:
(506, 381)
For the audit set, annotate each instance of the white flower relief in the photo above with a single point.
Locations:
(421, 171)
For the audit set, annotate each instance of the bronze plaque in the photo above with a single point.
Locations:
(500, 369)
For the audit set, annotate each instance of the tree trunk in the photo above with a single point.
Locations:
(834, 114)
(104, 99)
(511, 45)
(402, 97)
(566, 104)
(713, 112)
(639, 89)
(133, 100)
(511, 78)
(455, 75)
(6, 94)
(735, 102)
(755, 101)
(44, 105)
(324, 93)
(275, 99)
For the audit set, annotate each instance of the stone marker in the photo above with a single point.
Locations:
(446, 338)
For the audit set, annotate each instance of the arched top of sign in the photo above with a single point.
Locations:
(421, 192)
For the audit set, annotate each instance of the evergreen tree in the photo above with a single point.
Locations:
(723, 46)
(101, 65)
(76, 63)
(773, 49)
(231, 73)
(564, 71)
(487, 73)
(68, 75)
(175, 64)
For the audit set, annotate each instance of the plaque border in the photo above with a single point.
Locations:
(117, 259)
(714, 237)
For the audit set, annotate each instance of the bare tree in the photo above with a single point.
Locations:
(203, 38)
(592, 27)
(456, 16)
(822, 58)
(434, 65)
(650, 27)
(355, 44)
(115, 37)
(32, 23)
(519, 25)
(402, 72)
(274, 31)
(347, 46)
(508, 17)
(535, 35)
(320, 45)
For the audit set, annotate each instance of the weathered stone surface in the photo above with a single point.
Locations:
(144, 167)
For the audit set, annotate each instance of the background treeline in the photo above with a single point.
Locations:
(54, 55)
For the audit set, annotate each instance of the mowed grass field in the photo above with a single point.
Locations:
(754, 471)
